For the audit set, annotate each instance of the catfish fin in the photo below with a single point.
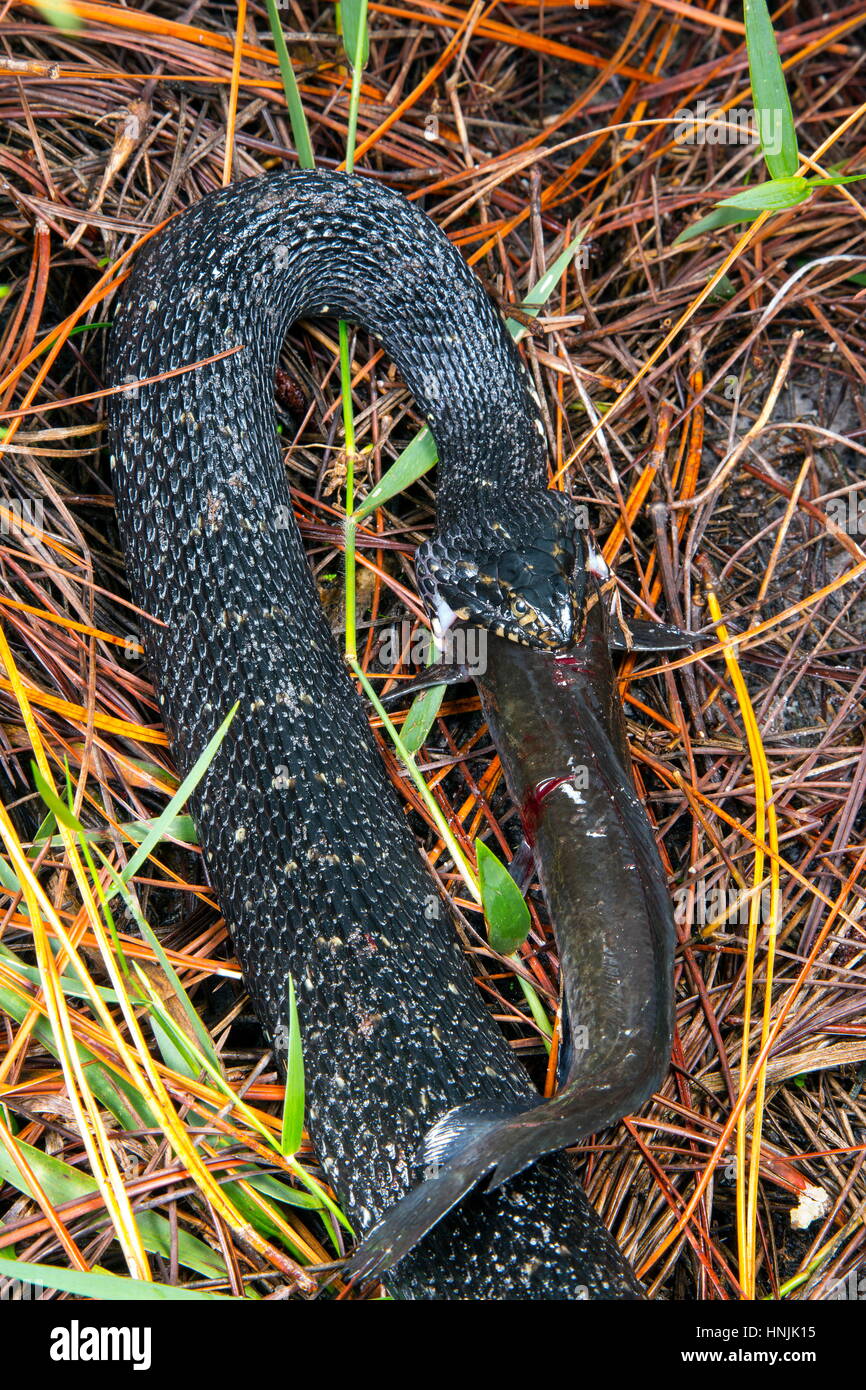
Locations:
(441, 673)
(456, 1154)
(651, 637)
(523, 868)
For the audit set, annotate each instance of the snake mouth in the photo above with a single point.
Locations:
(529, 630)
(533, 597)
(548, 640)
(530, 633)
(553, 626)
(527, 625)
(522, 579)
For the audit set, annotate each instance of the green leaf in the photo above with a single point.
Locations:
(176, 1049)
(419, 720)
(353, 18)
(719, 217)
(416, 459)
(772, 103)
(541, 291)
(9, 881)
(506, 912)
(178, 828)
(113, 1091)
(43, 830)
(776, 193)
(61, 811)
(269, 1186)
(73, 333)
(111, 1287)
(70, 984)
(293, 1106)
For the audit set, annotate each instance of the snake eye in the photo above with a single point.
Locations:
(519, 607)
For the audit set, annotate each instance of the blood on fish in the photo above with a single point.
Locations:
(530, 811)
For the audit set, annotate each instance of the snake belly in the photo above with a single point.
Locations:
(305, 843)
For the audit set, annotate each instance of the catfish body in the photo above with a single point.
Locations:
(558, 727)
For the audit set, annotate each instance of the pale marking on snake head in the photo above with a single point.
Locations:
(596, 564)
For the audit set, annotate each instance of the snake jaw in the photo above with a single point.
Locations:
(522, 578)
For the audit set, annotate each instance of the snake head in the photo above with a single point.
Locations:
(520, 576)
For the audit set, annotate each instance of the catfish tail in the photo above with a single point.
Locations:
(483, 1143)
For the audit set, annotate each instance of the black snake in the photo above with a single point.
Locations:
(304, 840)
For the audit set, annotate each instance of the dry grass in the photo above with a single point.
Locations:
(714, 477)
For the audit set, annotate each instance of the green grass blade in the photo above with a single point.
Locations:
(776, 194)
(415, 460)
(293, 1106)
(719, 217)
(536, 298)
(426, 795)
(60, 14)
(176, 1049)
(297, 118)
(181, 796)
(118, 1096)
(270, 1186)
(180, 828)
(111, 1287)
(770, 97)
(204, 1039)
(353, 26)
(358, 11)
(352, 23)
(536, 1008)
(62, 1183)
(834, 180)
(71, 986)
(158, 827)
(60, 810)
(9, 881)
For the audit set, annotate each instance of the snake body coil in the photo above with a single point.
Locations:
(304, 840)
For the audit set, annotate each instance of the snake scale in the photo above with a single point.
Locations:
(305, 843)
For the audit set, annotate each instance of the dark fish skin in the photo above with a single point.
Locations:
(569, 770)
(305, 842)
(557, 724)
